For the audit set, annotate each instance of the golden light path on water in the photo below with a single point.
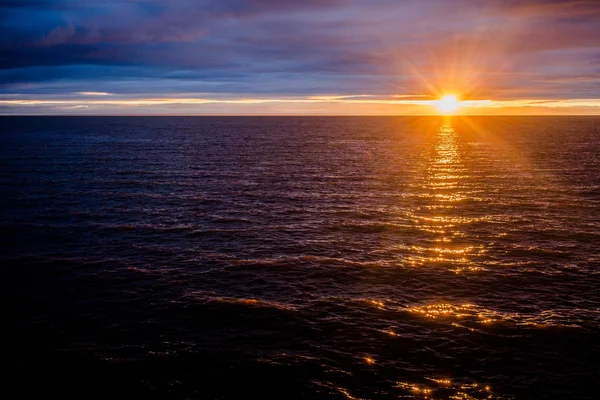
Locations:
(445, 183)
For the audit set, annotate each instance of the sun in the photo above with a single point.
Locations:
(448, 104)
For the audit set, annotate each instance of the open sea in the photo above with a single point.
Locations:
(300, 257)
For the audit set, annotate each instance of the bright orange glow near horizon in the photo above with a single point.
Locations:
(448, 104)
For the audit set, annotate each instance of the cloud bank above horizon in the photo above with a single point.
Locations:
(298, 57)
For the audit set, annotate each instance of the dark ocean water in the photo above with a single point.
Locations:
(283, 258)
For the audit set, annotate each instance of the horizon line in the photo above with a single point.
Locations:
(300, 115)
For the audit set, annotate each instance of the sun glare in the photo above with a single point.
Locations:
(448, 104)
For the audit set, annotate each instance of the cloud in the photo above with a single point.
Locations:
(94, 93)
(501, 49)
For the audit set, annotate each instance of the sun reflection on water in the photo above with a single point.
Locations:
(445, 388)
(467, 315)
(446, 186)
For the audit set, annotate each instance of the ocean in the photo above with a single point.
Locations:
(301, 257)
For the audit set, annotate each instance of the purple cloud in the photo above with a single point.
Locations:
(494, 49)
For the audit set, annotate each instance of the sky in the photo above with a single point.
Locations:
(298, 57)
